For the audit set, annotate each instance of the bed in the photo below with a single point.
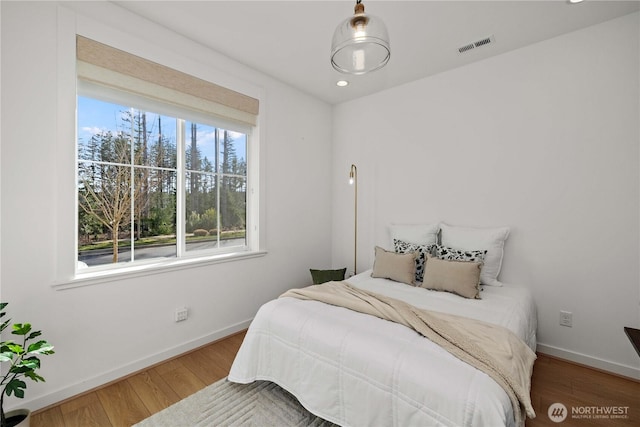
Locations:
(354, 369)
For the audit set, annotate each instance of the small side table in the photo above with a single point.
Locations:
(634, 337)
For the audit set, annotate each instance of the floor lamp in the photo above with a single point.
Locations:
(353, 180)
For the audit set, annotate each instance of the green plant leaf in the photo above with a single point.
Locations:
(26, 365)
(35, 377)
(34, 334)
(20, 370)
(6, 356)
(16, 387)
(15, 348)
(21, 328)
(40, 347)
(30, 362)
(4, 324)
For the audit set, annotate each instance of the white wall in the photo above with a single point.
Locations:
(545, 140)
(105, 331)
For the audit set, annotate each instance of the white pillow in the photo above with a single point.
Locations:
(469, 238)
(419, 234)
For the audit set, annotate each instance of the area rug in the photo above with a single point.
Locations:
(259, 404)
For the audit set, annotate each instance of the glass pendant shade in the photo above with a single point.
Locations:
(360, 44)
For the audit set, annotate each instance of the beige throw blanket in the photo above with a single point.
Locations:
(490, 348)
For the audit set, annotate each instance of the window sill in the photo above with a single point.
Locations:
(97, 277)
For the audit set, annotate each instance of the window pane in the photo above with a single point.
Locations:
(155, 214)
(104, 199)
(233, 188)
(201, 211)
(233, 210)
(155, 139)
(103, 133)
(200, 147)
(233, 153)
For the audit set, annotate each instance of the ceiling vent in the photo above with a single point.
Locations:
(476, 44)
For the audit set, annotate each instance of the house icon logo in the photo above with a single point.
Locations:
(557, 412)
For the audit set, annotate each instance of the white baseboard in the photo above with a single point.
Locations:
(123, 371)
(594, 362)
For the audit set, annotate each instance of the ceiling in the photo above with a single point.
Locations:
(290, 40)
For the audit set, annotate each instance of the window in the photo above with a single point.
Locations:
(161, 174)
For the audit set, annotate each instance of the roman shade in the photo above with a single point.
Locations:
(108, 66)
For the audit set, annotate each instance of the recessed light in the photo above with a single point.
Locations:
(575, 1)
(342, 83)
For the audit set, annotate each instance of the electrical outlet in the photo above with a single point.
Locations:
(181, 314)
(566, 318)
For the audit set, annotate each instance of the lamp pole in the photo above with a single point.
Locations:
(353, 180)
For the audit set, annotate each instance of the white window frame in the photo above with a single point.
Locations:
(67, 275)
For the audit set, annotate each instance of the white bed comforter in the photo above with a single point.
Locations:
(358, 370)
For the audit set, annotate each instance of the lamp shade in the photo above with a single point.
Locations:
(360, 44)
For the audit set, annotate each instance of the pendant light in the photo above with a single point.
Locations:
(360, 43)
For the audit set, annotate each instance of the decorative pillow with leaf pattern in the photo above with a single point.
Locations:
(451, 254)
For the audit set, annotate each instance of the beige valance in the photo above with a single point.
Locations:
(106, 65)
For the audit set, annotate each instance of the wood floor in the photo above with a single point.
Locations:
(581, 389)
(132, 399)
